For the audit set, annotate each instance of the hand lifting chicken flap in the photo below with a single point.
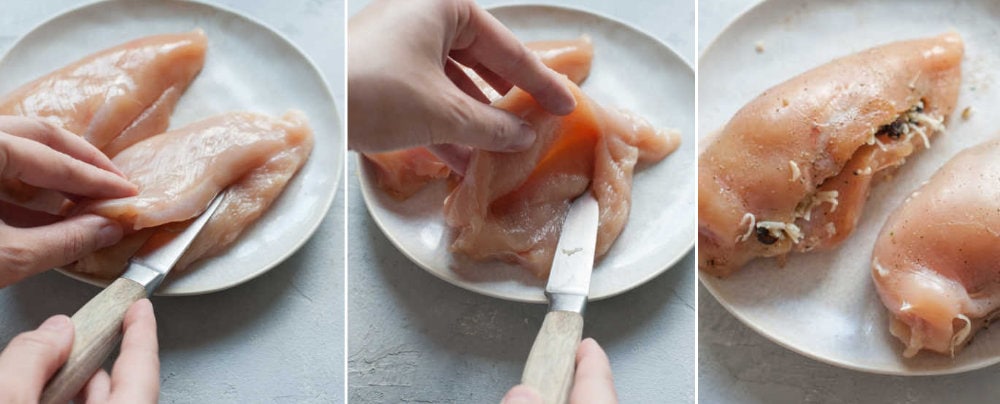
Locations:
(510, 206)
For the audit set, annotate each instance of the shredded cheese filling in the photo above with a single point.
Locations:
(782, 230)
(796, 173)
(962, 334)
(917, 122)
(805, 207)
(913, 122)
(748, 218)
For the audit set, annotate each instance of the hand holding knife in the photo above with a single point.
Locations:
(550, 365)
(99, 322)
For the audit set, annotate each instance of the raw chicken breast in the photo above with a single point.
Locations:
(402, 173)
(792, 169)
(405, 172)
(247, 199)
(936, 263)
(179, 172)
(251, 156)
(572, 57)
(511, 206)
(118, 96)
(113, 98)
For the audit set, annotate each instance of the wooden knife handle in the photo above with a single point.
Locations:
(98, 327)
(552, 359)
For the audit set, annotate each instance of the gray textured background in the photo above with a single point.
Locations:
(278, 338)
(736, 365)
(415, 338)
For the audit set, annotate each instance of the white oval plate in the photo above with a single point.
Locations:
(248, 67)
(630, 70)
(824, 305)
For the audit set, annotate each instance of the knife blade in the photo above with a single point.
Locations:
(550, 364)
(151, 264)
(98, 323)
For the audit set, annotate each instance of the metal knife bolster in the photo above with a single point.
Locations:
(147, 276)
(567, 302)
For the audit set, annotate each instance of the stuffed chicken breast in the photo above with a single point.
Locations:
(791, 171)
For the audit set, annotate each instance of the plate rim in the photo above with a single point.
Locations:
(707, 280)
(325, 204)
(366, 187)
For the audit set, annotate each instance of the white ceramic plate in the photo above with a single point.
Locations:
(248, 67)
(630, 70)
(824, 305)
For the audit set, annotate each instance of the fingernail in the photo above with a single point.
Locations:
(524, 139)
(56, 323)
(519, 395)
(566, 107)
(109, 235)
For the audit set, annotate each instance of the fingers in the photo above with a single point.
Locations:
(57, 138)
(593, 382)
(20, 216)
(97, 390)
(32, 358)
(514, 134)
(522, 394)
(37, 164)
(494, 80)
(136, 374)
(454, 156)
(25, 252)
(471, 123)
(485, 40)
(463, 82)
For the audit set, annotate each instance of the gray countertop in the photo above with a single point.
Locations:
(737, 365)
(278, 338)
(415, 338)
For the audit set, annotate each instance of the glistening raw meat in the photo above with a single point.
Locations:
(936, 263)
(118, 96)
(251, 156)
(792, 170)
(510, 206)
(112, 98)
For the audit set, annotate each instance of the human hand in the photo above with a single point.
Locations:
(41, 155)
(407, 89)
(592, 382)
(31, 358)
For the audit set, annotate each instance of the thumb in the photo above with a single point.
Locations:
(482, 126)
(27, 251)
(522, 394)
(32, 357)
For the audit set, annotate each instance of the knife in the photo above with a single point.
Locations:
(99, 322)
(551, 362)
